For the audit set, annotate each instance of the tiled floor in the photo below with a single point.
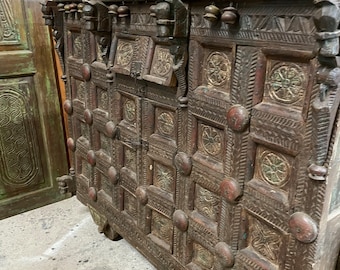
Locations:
(62, 236)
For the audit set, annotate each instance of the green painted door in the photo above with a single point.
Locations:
(32, 150)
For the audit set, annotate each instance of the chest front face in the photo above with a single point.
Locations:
(193, 129)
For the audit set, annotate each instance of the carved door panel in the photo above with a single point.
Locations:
(248, 145)
(32, 151)
(78, 103)
(280, 131)
(215, 163)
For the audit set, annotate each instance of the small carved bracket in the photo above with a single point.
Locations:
(172, 19)
(67, 183)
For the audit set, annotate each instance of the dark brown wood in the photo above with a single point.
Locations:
(207, 135)
(32, 148)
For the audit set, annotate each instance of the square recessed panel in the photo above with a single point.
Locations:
(273, 167)
(286, 83)
(217, 68)
(105, 143)
(129, 110)
(202, 257)
(207, 203)
(164, 177)
(165, 123)
(106, 185)
(102, 99)
(162, 228)
(84, 130)
(124, 55)
(77, 45)
(80, 90)
(86, 169)
(265, 240)
(162, 62)
(130, 204)
(130, 159)
(210, 141)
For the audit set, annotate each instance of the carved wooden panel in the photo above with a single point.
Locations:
(206, 142)
(21, 165)
(9, 32)
(32, 150)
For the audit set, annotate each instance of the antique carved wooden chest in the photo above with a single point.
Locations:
(206, 134)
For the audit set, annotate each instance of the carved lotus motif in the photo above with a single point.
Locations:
(217, 68)
(286, 83)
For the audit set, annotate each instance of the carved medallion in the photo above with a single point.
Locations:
(286, 83)
(217, 68)
(274, 168)
(124, 53)
(265, 240)
(202, 257)
(130, 110)
(211, 140)
(207, 203)
(166, 123)
(163, 178)
(162, 63)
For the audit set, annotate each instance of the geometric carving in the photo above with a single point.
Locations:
(286, 83)
(165, 123)
(8, 26)
(264, 240)
(211, 140)
(163, 178)
(162, 62)
(207, 203)
(18, 141)
(274, 168)
(202, 257)
(129, 110)
(218, 68)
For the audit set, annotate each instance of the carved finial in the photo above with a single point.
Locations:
(88, 16)
(212, 13)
